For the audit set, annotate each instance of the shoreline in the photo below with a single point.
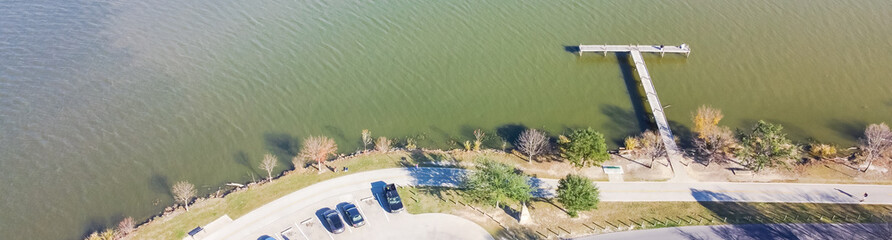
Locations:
(372, 160)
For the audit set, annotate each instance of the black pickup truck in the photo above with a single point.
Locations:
(393, 198)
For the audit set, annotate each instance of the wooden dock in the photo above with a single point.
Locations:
(655, 106)
(661, 49)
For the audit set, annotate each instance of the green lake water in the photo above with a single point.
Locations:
(105, 104)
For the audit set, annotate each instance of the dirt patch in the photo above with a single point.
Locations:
(556, 168)
(826, 171)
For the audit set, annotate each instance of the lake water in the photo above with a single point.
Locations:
(105, 104)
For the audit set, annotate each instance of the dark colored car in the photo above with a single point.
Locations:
(334, 221)
(266, 237)
(393, 198)
(352, 216)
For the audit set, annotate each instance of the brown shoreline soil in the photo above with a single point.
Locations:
(827, 171)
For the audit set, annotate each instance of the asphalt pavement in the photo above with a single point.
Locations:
(357, 186)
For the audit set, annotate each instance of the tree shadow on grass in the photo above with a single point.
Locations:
(747, 218)
(428, 159)
(518, 233)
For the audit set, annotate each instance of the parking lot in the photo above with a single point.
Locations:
(306, 223)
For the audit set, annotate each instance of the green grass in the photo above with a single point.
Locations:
(240, 203)
(549, 217)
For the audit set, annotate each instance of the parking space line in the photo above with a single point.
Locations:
(326, 230)
(301, 231)
(385, 215)
(363, 213)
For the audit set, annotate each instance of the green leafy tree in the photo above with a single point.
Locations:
(584, 146)
(496, 183)
(766, 145)
(577, 193)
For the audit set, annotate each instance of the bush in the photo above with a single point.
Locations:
(822, 151)
(632, 143)
(410, 144)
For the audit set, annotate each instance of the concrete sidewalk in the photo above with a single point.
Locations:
(735, 192)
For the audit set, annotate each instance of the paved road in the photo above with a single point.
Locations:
(310, 197)
(731, 192)
(758, 231)
(301, 204)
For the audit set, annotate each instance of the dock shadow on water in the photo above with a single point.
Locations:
(796, 221)
(684, 134)
(636, 92)
(623, 122)
(571, 49)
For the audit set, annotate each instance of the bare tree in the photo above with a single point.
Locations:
(183, 192)
(712, 141)
(383, 144)
(652, 146)
(532, 142)
(366, 139)
(716, 144)
(877, 140)
(125, 227)
(478, 139)
(318, 148)
(268, 164)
